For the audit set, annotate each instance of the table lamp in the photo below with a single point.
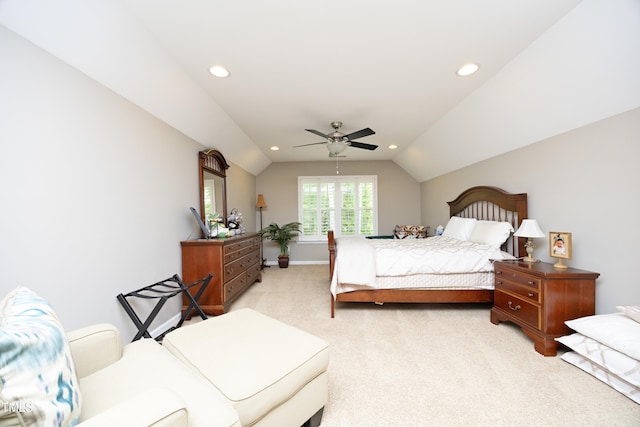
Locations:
(529, 229)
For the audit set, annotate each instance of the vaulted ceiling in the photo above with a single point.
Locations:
(546, 67)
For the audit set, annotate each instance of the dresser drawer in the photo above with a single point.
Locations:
(256, 243)
(253, 273)
(236, 267)
(517, 277)
(253, 258)
(237, 249)
(523, 310)
(234, 287)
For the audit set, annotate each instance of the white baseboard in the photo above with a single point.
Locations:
(299, 262)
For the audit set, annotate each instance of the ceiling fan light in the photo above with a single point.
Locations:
(336, 147)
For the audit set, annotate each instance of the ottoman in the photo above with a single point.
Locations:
(272, 373)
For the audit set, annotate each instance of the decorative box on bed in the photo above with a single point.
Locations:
(381, 278)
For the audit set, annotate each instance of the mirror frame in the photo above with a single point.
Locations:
(213, 161)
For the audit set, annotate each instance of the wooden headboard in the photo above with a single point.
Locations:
(493, 204)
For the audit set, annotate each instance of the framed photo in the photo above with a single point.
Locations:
(560, 244)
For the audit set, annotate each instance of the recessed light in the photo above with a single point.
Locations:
(393, 147)
(219, 71)
(467, 69)
(274, 148)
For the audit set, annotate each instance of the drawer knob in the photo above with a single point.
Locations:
(514, 308)
(498, 272)
(531, 282)
(498, 282)
(530, 295)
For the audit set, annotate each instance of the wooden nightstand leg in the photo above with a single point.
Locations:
(544, 346)
(494, 317)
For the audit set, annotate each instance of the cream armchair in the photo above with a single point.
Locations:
(241, 367)
(141, 384)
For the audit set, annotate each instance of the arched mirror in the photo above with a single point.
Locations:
(213, 187)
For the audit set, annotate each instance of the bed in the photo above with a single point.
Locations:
(483, 203)
(607, 346)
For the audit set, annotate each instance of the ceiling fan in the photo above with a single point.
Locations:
(337, 141)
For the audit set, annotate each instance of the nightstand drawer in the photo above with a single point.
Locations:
(517, 277)
(522, 309)
(528, 292)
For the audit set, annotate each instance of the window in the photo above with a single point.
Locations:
(348, 205)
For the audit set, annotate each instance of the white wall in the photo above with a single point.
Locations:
(581, 182)
(95, 192)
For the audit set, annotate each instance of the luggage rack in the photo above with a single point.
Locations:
(163, 291)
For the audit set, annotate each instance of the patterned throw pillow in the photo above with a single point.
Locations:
(38, 382)
(410, 232)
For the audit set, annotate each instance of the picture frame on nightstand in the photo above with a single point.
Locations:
(560, 247)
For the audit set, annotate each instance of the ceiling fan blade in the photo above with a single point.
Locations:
(362, 145)
(313, 143)
(359, 134)
(317, 133)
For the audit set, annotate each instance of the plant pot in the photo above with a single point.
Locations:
(283, 261)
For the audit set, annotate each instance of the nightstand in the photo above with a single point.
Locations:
(540, 298)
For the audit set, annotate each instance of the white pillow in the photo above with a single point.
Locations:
(604, 375)
(613, 330)
(632, 311)
(460, 228)
(613, 361)
(493, 233)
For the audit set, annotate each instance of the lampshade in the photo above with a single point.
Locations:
(261, 203)
(529, 228)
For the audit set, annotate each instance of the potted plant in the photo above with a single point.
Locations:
(282, 236)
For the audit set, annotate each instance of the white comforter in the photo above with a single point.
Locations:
(360, 260)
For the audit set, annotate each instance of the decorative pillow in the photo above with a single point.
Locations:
(410, 232)
(607, 358)
(632, 311)
(38, 382)
(460, 228)
(613, 330)
(607, 377)
(493, 233)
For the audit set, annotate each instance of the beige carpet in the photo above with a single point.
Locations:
(433, 364)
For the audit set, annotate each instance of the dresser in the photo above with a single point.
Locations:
(540, 298)
(234, 263)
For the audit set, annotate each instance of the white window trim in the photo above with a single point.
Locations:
(336, 179)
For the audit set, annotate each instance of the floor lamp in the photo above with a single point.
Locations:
(261, 204)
